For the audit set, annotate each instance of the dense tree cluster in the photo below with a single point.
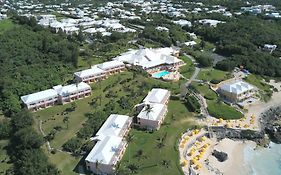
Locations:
(32, 59)
(242, 40)
(24, 148)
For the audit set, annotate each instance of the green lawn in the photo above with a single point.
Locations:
(256, 80)
(212, 74)
(3, 156)
(204, 90)
(188, 69)
(265, 91)
(120, 85)
(221, 110)
(5, 25)
(150, 162)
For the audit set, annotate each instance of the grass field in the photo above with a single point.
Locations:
(212, 74)
(119, 85)
(188, 69)
(3, 156)
(151, 161)
(204, 90)
(5, 25)
(257, 81)
(221, 110)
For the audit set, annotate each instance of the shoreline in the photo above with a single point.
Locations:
(236, 157)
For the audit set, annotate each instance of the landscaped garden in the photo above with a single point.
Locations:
(211, 74)
(224, 111)
(156, 153)
(79, 120)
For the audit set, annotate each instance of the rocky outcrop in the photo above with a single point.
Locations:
(221, 156)
(271, 123)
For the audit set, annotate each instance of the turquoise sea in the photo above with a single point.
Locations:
(264, 161)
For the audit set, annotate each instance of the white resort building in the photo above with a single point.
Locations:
(110, 146)
(90, 75)
(39, 100)
(151, 59)
(72, 92)
(236, 91)
(153, 109)
(112, 67)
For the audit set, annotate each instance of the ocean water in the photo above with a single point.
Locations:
(263, 161)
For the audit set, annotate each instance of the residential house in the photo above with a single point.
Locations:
(72, 92)
(40, 100)
(236, 91)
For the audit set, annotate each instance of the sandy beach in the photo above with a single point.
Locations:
(235, 163)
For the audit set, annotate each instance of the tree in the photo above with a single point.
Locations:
(21, 120)
(27, 138)
(129, 138)
(205, 60)
(66, 120)
(133, 168)
(148, 109)
(166, 163)
(72, 145)
(5, 129)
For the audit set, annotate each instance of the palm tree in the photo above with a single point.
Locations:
(166, 163)
(66, 120)
(129, 138)
(97, 164)
(148, 109)
(133, 168)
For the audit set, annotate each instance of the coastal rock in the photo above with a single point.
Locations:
(221, 156)
(271, 123)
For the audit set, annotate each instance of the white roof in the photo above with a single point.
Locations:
(237, 87)
(39, 96)
(156, 95)
(104, 150)
(112, 126)
(72, 88)
(110, 64)
(190, 43)
(154, 114)
(89, 72)
(147, 58)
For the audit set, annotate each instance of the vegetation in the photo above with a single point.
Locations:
(192, 104)
(221, 110)
(159, 146)
(205, 60)
(238, 40)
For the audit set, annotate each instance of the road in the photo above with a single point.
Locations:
(184, 86)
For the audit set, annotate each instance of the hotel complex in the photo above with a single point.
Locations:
(153, 109)
(154, 61)
(110, 145)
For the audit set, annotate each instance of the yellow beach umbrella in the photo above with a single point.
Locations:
(186, 137)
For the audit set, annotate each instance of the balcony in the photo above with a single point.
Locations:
(118, 154)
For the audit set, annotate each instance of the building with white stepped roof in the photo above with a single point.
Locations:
(110, 146)
(236, 91)
(151, 59)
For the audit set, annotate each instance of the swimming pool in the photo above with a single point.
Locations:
(160, 74)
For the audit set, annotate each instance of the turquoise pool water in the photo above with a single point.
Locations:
(160, 74)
